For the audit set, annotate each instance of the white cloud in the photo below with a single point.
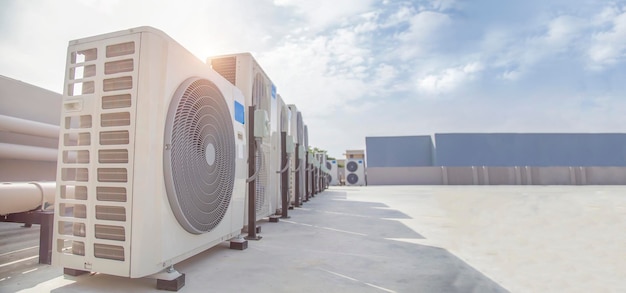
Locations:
(609, 47)
(425, 31)
(401, 15)
(524, 51)
(323, 14)
(449, 79)
(319, 74)
(511, 75)
(424, 25)
(562, 33)
(444, 4)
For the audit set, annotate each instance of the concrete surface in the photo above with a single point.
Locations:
(405, 239)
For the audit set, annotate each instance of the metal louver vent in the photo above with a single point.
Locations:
(300, 125)
(260, 183)
(226, 67)
(352, 178)
(352, 166)
(199, 156)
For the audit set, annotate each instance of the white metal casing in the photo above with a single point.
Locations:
(261, 124)
(243, 71)
(355, 172)
(278, 124)
(293, 134)
(152, 239)
(333, 172)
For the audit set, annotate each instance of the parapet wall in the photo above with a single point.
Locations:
(496, 175)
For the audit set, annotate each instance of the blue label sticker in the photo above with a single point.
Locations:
(360, 162)
(240, 113)
(273, 91)
(334, 162)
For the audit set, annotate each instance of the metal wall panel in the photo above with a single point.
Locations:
(399, 151)
(530, 149)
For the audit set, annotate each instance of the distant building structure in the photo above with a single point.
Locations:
(498, 159)
(531, 149)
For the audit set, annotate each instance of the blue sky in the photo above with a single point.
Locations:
(358, 68)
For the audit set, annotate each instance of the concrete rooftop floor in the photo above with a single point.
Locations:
(393, 239)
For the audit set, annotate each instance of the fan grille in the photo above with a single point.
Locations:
(352, 166)
(199, 163)
(329, 166)
(352, 178)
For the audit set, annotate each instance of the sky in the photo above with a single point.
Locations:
(358, 68)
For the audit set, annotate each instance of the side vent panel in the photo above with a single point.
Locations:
(94, 211)
(226, 67)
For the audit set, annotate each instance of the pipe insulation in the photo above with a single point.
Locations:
(21, 197)
(25, 152)
(23, 126)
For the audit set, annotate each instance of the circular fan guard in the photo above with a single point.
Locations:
(329, 166)
(352, 178)
(352, 166)
(199, 156)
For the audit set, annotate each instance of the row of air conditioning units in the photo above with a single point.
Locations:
(162, 156)
(349, 171)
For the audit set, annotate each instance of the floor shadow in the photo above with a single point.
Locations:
(329, 245)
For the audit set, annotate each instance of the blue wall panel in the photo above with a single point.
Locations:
(530, 149)
(399, 151)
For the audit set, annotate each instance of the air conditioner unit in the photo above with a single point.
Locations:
(301, 158)
(355, 172)
(333, 172)
(296, 165)
(280, 124)
(309, 182)
(243, 71)
(151, 144)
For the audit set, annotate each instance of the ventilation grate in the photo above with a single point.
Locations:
(110, 213)
(114, 137)
(113, 156)
(95, 198)
(113, 252)
(110, 232)
(199, 161)
(116, 101)
(115, 119)
(226, 67)
(111, 193)
(260, 184)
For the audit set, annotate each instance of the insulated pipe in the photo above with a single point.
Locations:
(24, 152)
(22, 197)
(23, 126)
